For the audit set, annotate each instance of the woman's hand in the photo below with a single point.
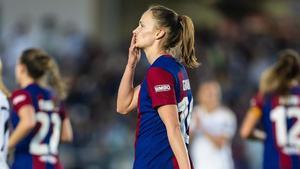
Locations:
(127, 99)
(134, 53)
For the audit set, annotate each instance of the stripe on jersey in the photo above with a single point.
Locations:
(37, 164)
(175, 163)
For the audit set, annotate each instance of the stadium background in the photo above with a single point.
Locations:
(235, 41)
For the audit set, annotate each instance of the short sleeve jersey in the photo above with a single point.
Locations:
(281, 122)
(166, 83)
(39, 149)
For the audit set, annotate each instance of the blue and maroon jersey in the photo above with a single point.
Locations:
(166, 83)
(281, 122)
(39, 149)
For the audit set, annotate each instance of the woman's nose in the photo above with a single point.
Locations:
(135, 30)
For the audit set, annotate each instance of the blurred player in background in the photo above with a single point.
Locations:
(4, 116)
(277, 105)
(164, 98)
(38, 116)
(212, 129)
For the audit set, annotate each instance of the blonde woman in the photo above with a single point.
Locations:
(164, 99)
(277, 106)
(4, 116)
(38, 116)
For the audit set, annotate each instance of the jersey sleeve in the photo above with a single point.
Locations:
(161, 87)
(256, 104)
(20, 98)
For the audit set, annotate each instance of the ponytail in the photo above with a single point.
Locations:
(55, 80)
(282, 74)
(188, 42)
(180, 34)
(267, 82)
(42, 67)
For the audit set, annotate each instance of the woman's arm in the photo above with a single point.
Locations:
(219, 141)
(66, 132)
(226, 131)
(127, 98)
(252, 117)
(26, 124)
(169, 116)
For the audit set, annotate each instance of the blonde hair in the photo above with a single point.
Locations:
(279, 77)
(2, 86)
(39, 64)
(180, 34)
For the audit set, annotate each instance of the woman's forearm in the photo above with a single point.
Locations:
(219, 141)
(66, 131)
(21, 131)
(127, 94)
(126, 90)
(178, 146)
(253, 115)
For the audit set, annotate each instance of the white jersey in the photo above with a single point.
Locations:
(220, 122)
(4, 116)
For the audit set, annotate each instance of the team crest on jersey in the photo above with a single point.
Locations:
(162, 88)
(186, 85)
(19, 99)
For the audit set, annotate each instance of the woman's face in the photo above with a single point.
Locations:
(145, 32)
(209, 95)
(19, 70)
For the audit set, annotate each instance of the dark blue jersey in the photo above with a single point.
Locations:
(39, 149)
(166, 83)
(281, 122)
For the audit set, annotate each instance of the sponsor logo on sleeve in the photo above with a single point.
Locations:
(19, 99)
(162, 88)
(186, 85)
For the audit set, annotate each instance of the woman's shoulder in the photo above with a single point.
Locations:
(20, 97)
(19, 92)
(226, 109)
(226, 112)
(198, 109)
(3, 98)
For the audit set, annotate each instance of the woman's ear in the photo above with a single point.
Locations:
(22, 68)
(160, 34)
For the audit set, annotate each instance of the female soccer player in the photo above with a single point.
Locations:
(277, 105)
(38, 117)
(4, 116)
(164, 98)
